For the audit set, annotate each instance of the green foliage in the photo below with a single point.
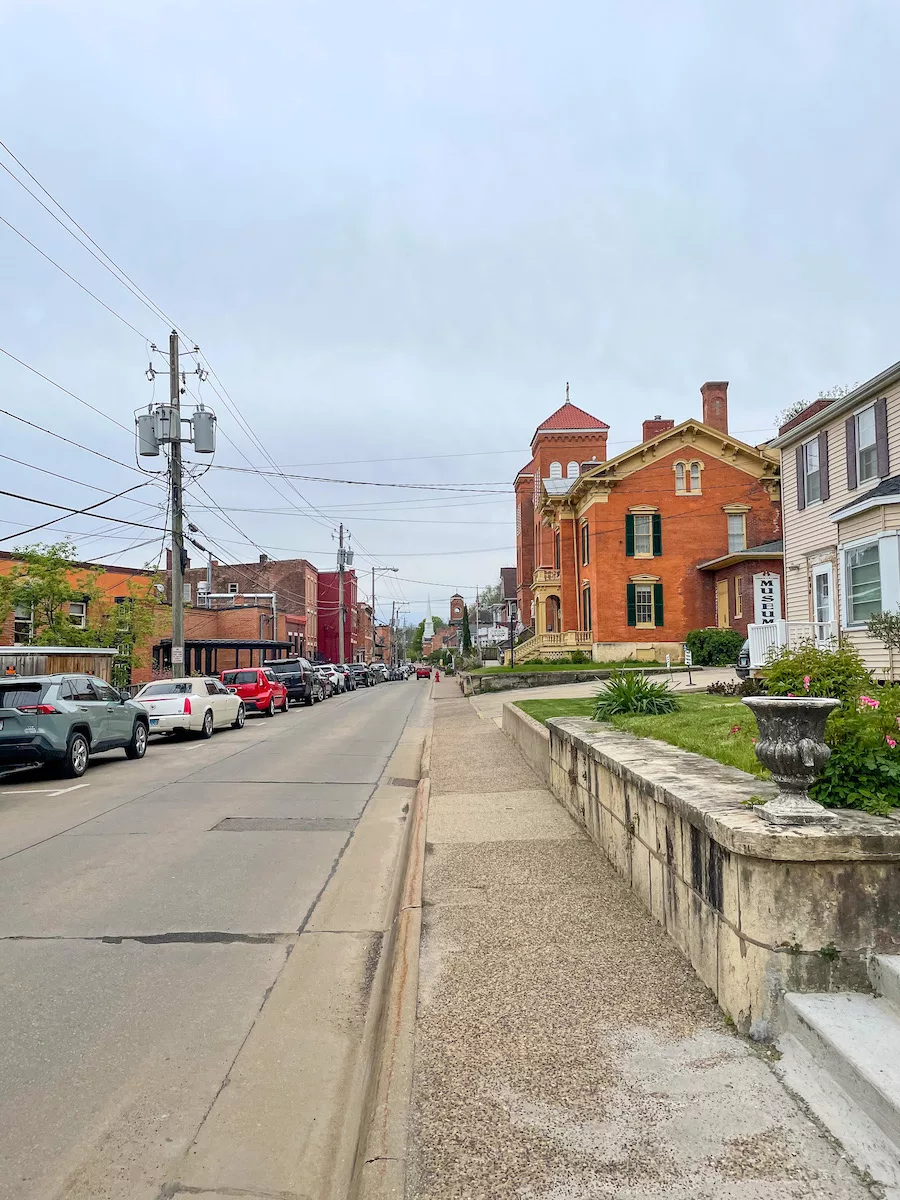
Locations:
(885, 627)
(864, 768)
(466, 646)
(838, 673)
(714, 647)
(579, 656)
(489, 595)
(633, 693)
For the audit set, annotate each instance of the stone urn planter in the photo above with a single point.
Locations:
(792, 745)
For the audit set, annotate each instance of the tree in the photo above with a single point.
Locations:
(837, 392)
(885, 626)
(45, 580)
(466, 644)
(489, 595)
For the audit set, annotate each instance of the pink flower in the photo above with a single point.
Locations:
(735, 729)
(868, 702)
(792, 695)
(806, 682)
(890, 741)
(753, 740)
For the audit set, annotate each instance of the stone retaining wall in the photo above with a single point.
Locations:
(758, 911)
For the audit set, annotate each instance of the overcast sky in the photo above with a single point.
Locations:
(396, 230)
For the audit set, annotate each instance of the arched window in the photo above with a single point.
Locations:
(556, 470)
(695, 477)
(679, 477)
(573, 470)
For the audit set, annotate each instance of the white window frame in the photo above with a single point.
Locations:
(231, 588)
(681, 477)
(889, 572)
(573, 470)
(695, 471)
(648, 517)
(79, 617)
(823, 570)
(20, 621)
(556, 470)
(742, 517)
(807, 500)
(873, 446)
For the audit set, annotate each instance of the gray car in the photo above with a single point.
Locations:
(64, 719)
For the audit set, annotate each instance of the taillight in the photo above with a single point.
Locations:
(187, 705)
(43, 710)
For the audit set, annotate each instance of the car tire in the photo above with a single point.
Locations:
(238, 722)
(270, 708)
(137, 747)
(208, 728)
(310, 700)
(285, 705)
(78, 753)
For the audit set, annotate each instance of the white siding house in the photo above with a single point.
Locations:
(840, 487)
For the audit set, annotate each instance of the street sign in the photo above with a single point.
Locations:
(668, 662)
(177, 654)
(688, 658)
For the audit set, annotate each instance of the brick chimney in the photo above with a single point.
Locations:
(656, 425)
(715, 405)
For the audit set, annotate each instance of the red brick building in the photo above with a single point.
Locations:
(568, 437)
(678, 533)
(329, 618)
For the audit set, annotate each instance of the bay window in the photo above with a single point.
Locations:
(863, 582)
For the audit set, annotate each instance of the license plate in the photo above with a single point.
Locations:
(154, 720)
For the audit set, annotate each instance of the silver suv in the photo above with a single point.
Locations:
(64, 719)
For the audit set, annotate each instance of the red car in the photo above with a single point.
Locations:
(423, 672)
(258, 688)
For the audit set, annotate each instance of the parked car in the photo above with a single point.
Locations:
(362, 674)
(258, 688)
(64, 719)
(349, 678)
(337, 679)
(380, 671)
(326, 681)
(200, 706)
(297, 676)
(423, 672)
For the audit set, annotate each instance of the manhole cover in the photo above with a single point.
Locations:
(404, 782)
(280, 824)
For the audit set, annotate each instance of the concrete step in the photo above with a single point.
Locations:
(884, 972)
(855, 1039)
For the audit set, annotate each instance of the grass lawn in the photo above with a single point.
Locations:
(702, 723)
(564, 666)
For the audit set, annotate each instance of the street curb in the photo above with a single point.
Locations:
(380, 1168)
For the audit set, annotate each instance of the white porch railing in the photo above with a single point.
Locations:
(767, 639)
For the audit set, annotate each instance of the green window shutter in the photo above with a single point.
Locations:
(658, 604)
(632, 604)
(629, 537)
(657, 535)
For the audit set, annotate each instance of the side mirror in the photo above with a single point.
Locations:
(124, 695)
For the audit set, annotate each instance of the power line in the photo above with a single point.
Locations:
(68, 478)
(72, 512)
(59, 437)
(59, 386)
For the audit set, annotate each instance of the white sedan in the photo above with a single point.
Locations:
(199, 706)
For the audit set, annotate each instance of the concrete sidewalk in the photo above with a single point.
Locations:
(564, 1048)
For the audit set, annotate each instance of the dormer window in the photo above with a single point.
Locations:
(573, 470)
(556, 470)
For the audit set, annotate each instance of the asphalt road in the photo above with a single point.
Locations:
(140, 938)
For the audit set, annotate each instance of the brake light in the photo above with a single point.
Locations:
(42, 710)
(187, 705)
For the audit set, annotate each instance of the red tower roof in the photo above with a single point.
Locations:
(569, 417)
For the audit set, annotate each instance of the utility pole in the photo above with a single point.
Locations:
(340, 592)
(393, 633)
(373, 613)
(177, 515)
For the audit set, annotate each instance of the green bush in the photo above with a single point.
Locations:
(807, 670)
(739, 687)
(864, 768)
(632, 693)
(714, 647)
(579, 656)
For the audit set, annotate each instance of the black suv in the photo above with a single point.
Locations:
(297, 675)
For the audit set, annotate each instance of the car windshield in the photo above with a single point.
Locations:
(180, 687)
(283, 668)
(234, 677)
(20, 695)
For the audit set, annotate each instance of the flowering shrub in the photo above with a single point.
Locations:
(863, 734)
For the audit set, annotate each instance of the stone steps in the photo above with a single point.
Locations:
(841, 1053)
